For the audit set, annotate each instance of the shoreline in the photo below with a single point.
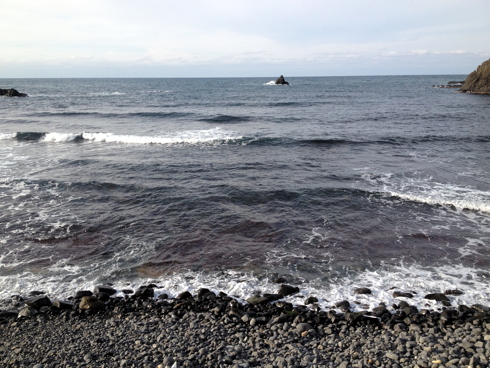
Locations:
(214, 330)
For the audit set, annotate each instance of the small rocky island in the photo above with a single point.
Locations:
(10, 92)
(281, 80)
(478, 81)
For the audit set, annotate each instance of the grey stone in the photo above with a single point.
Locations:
(302, 327)
(38, 302)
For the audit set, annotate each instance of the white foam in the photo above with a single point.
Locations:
(429, 191)
(62, 281)
(450, 195)
(184, 137)
(61, 137)
(271, 83)
(4, 136)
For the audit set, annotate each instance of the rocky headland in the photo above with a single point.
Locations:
(11, 92)
(99, 329)
(478, 81)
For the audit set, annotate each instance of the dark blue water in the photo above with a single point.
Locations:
(331, 183)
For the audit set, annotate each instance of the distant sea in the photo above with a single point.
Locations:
(330, 183)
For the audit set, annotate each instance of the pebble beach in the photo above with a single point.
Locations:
(208, 329)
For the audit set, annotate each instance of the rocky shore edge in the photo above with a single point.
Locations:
(99, 329)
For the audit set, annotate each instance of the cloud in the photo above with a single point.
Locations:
(306, 33)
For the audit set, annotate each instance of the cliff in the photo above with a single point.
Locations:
(479, 80)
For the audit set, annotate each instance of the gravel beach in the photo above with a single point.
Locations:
(214, 330)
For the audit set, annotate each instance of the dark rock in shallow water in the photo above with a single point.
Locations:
(453, 292)
(183, 296)
(344, 306)
(273, 297)
(410, 310)
(201, 292)
(285, 290)
(311, 300)
(437, 297)
(480, 308)
(379, 311)
(403, 304)
(452, 84)
(362, 291)
(36, 293)
(400, 294)
(105, 289)
(280, 280)
(11, 92)
(257, 299)
(281, 80)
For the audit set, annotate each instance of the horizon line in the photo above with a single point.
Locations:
(207, 77)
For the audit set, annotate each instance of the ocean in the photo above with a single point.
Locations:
(330, 184)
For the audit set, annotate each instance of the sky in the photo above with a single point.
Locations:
(235, 38)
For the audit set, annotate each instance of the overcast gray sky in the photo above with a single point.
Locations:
(226, 38)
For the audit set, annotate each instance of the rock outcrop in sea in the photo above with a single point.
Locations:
(281, 80)
(11, 92)
(479, 80)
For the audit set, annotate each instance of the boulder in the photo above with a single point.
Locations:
(62, 305)
(105, 289)
(27, 312)
(144, 292)
(479, 80)
(437, 297)
(202, 291)
(311, 300)
(81, 293)
(362, 291)
(281, 80)
(401, 294)
(285, 290)
(184, 295)
(10, 92)
(273, 297)
(91, 302)
(302, 327)
(103, 297)
(257, 299)
(344, 306)
(38, 302)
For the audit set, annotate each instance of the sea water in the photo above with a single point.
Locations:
(330, 183)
